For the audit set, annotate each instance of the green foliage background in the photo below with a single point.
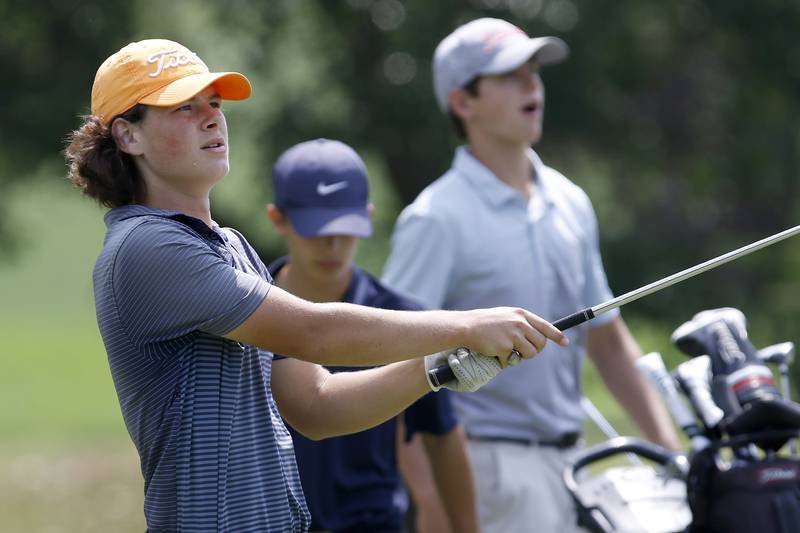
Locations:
(679, 118)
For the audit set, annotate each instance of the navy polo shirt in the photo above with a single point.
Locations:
(352, 483)
(214, 452)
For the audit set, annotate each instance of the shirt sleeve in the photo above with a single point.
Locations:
(596, 288)
(421, 261)
(433, 413)
(169, 282)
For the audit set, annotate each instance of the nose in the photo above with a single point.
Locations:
(334, 241)
(212, 118)
(530, 78)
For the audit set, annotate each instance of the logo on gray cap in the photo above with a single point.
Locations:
(487, 46)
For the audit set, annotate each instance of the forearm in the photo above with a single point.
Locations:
(453, 475)
(614, 352)
(347, 332)
(353, 335)
(347, 402)
(640, 401)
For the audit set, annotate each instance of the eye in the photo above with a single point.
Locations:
(216, 104)
(184, 107)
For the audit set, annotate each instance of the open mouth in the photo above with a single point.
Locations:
(216, 144)
(328, 265)
(530, 108)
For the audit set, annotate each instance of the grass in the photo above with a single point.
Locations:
(63, 445)
(56, 383)
(650, 337)
(53, 373)
(66, 463)
(71, 489)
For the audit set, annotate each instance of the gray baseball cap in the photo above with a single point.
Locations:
(487, 46)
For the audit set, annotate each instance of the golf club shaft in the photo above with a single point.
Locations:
(604, 425)
(586, 314)
(443, 374)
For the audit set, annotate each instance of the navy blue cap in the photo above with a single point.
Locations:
(322, 187)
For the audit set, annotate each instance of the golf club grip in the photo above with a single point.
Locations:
(574, 319)
(444, 374)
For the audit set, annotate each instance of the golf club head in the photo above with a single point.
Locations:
(777, 354)
(692, 337)
(694, 379)
(739, 378)
(651, 365)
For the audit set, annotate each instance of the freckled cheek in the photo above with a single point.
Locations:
(223, 125)
(173, 143)
(173, 146)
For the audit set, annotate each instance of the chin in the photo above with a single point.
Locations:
(534, 136)
(219, 172)
(330, 273)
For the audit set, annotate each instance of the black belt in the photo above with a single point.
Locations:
(567, 440)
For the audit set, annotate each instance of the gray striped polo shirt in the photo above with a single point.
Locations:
(214, 452)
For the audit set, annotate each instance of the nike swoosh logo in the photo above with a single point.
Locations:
(325, 190)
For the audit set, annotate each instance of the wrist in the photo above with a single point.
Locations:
(419, 382)
(463, 329)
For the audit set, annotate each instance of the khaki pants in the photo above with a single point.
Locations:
(520, 488)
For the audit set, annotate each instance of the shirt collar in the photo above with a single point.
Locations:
(118, 214)
(277, 265)
(488, 185)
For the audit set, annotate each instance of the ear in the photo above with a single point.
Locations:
(460, 103)
(279, 220)
(128, 136)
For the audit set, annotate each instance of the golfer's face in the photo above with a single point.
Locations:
(322, 259)
(511, 105)
(187, 144)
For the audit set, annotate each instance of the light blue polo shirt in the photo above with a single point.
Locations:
(214, 452)
(470, 241)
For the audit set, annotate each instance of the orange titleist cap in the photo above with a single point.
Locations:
(157, 72)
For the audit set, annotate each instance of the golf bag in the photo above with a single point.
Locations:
(735, 478)
(754, 489)
(747, 497)
(634, 498)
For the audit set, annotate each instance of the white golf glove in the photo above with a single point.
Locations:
(472, 369)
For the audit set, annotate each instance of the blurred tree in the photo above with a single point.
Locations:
(679, 118)
(48, 51)
(689, 108)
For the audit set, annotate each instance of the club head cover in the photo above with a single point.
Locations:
(737, 370)
(693, 337)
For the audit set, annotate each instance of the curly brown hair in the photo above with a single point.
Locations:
(98, 167)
